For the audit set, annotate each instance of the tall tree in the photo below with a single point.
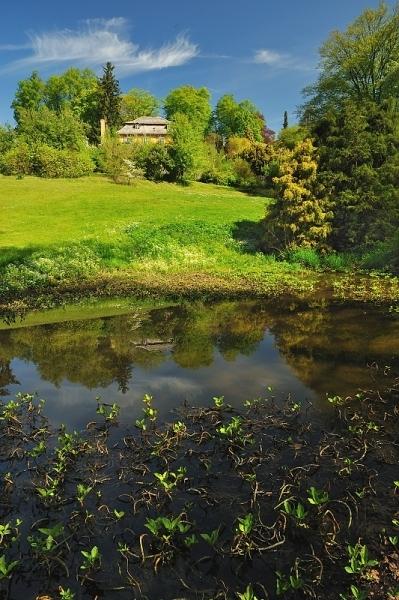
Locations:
(359, 171)
(185, 149)
(77, 90)
(361, 63)
(29, 95)
(241, 119)
(192, 102)
(138, 103)
(61, 130)
(109, 97)
(285, 122)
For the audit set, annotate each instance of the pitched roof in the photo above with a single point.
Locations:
(148, 121)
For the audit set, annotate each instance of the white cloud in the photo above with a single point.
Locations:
(279, 60)
(101, 40)
(269, 57)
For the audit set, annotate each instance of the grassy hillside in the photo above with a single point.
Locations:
(90, 236)
(91, 233)
(43, 212)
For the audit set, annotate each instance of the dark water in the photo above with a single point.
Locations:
(196, 351)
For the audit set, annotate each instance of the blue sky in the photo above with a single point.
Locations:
(265, 50)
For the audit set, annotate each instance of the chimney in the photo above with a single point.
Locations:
(103, 128)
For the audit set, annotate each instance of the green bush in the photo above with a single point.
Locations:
(46, 268)
(53, 163)
(309, 257)
(17, 160)
(158, 164)
(217, 168)
(337, 261)
(383, 257)
(243, 173)
(46, 161)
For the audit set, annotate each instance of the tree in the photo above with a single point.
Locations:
(241, 119)
(290, 136)
(192, 102)
(285, 122)
(359, 171)
(138, 103)
(71, 89)
(109, 97)
(78, 90)
(263, 160)
(360, 63)
(7, 138)
(185, 150)
(29, 95)
(158, 163)
(299, 218)
(60, 130)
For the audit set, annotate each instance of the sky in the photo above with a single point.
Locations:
(264, 50)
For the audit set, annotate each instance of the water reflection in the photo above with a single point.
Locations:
(195, 351)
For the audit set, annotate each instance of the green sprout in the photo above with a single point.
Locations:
(317, 497)
(92, 559)
(359, 559)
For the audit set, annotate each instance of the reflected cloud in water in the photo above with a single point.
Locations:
(195, 351)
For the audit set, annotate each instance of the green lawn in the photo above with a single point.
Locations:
(91, 233)
(44, 212)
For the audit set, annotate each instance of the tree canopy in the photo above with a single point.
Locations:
(138, 103)
(238, 119)
(360, 63)
(192, 102)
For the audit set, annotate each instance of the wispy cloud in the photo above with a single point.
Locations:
(13, 47)
(98, 41)
(279, 60)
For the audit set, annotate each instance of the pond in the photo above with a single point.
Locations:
(194, 351)
(286, 487)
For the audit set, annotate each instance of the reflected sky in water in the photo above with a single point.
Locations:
(196, 351)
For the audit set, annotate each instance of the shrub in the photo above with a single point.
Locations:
(337, 262)
(300, 217)
(46, 268)
(46, 161)
(243, 173)
(237, 145)
(52, 163)
(384, 256)
(216, 167)
(117, 160)
(158, 164)
(17, 161)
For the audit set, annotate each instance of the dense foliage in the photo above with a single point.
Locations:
(138, 103)
(299, 217)
(109, 97)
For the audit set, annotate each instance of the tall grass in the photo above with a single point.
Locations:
(310, 258)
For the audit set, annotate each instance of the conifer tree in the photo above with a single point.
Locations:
(299, 218)
(110, 97)
(285, 123)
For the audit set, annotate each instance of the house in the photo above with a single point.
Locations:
(145, 129)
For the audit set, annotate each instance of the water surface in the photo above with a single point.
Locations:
(194, 351)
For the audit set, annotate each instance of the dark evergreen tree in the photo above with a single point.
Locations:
(110, 97)
(285, 123)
